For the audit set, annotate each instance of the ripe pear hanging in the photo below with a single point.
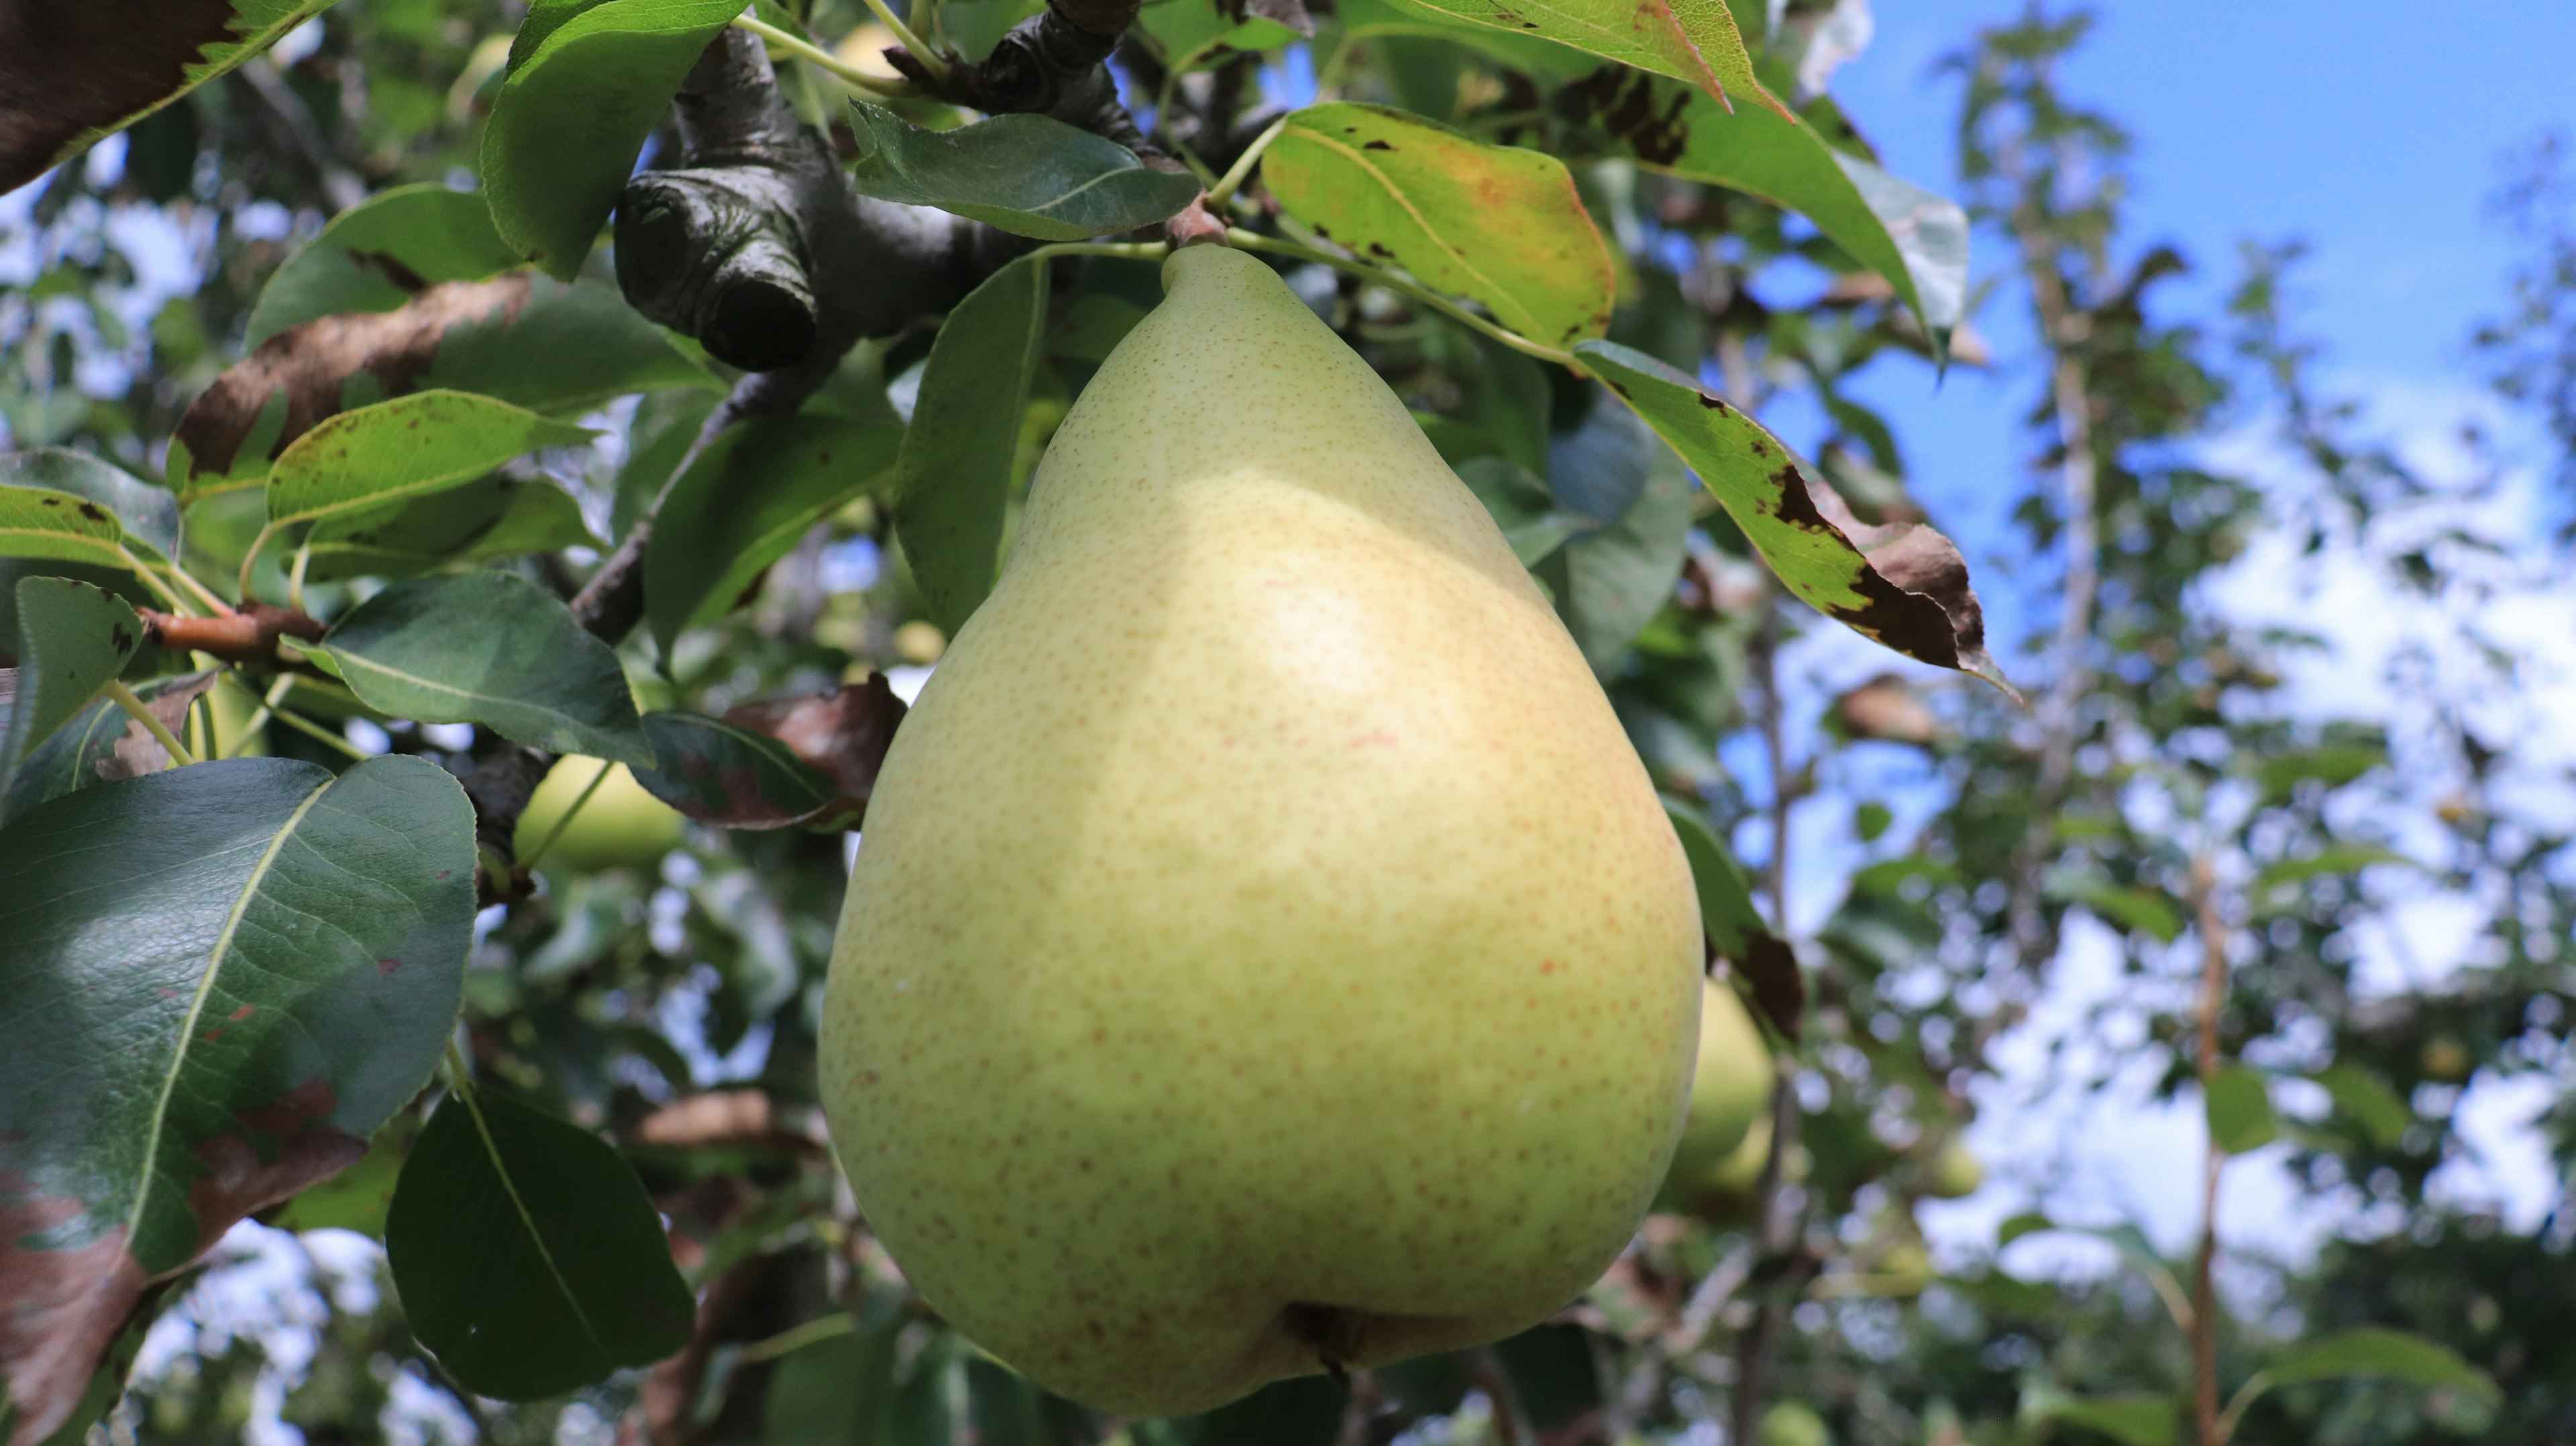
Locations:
(1266, 952)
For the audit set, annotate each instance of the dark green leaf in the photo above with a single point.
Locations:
(1766, 963)
(2131, 1420)
(148, 513)
(1530, 519)
(836, 1392)
(380, 253)
(576, 108)
(494, 649)
(954, 474)
(1909, 593)
(2239, 1107)
(1500, 224)
(81, 72)
(1030, 175)
(2128, 907)
(220, 981)
(2376, 1353)
(72, 638)
(2369, 1101)
(1611, 579)
(2331, 860)
(403, 448)
(745, 501)
(728, 775)
(529, 1259)
(488, 517)
(101, 744)
(2332, 766)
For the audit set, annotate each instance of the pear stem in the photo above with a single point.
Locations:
(1255, 241)
(1131, 250)
(1235, 175)
(832, 65)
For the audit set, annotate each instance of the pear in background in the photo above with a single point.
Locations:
(1730, 1090)
(1267, 952)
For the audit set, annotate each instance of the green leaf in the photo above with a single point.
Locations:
(80, 73)
(220, 981)
(838, 1391)
(2128, 907)
(954, 475)
(358, 1197)
(488, 517)
(1691, 40)
(379, 253)
(1926, 610)
(1497, 223)
(101, 744)
(520, 338)
(1030, 175)
(72, 638)
(2367, 1098)
(725, 774)
(1188, 34)
(489, 648)
(2377, 1353)
(2134, 1420)
(574, 111)
(744, 503)
(147, 513)
(1766, 963)
(403, 448)
(529, 1258)
(59, 526)
(2332, 766)
(1612, 579)
(2333, 859)
(1916, 239)
(1530, 519)
(2239, 1106)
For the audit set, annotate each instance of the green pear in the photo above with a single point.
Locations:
(622, 826)
(1267, 953)
(1730, 1089)
(1955, 1173)
(1793, 1423)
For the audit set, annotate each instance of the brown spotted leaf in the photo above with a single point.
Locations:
(734, 776)
(844, 734)
(1904, 586)
(71, 73)
(1500, 224)
(220, 981)
(1689, 40)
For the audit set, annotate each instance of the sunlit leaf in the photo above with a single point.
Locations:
(955, 471)
(1500, 224)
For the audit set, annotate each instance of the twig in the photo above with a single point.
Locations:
(825, 61)
(247, 636)
(2204, 1313)
(152, 724)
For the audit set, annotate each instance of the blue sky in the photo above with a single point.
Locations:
(2373, 131)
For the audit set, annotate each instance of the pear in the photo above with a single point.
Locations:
(1266, 953)
(622, 826)
(1955, 1173)
(1730, 1089)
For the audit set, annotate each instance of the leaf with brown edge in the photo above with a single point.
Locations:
(220, 981)
(1884, 709)
(1736, 930)
(72, 73)
(1904, 586)
(136, 752)
(1692, 40)
(844, 733)
(519, 338)
(734, 776)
